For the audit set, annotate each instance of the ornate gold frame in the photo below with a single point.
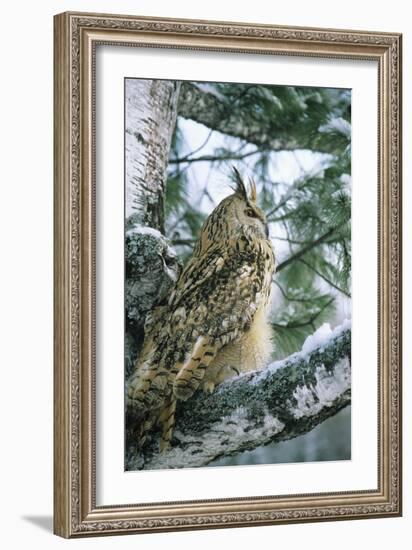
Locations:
(75, 510)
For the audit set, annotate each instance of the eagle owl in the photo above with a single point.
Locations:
(214, 324)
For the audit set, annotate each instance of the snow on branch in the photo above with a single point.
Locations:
(286, 399)
(206, 105)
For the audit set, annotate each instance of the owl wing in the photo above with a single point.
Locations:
(227, 297)
(213, 303)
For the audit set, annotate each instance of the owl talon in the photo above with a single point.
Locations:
(208, 387)
(164, 445)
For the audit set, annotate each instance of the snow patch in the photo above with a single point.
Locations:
(210, 89)
(337, 124)
(317, 339)
(346, 179)
(322, 336)
(145, 230)
(310, 400)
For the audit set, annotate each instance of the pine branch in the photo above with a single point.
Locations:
(292, 241)
(291, 298)
(212, 158)
(297, 186)
(326, 279)
(307, 322)
(220, 113)
(297, 255)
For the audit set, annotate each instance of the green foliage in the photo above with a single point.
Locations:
(309, 217)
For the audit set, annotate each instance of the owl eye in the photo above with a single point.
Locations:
(250, 212)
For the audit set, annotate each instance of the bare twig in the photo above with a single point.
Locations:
(213, 158)
(297, 255)
(307, 322)
(322, 276)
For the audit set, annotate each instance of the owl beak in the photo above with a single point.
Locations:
(267, 231)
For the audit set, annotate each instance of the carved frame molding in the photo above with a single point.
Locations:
(75, 510)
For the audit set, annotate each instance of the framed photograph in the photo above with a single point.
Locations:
(227, 274)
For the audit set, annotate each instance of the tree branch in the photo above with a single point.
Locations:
(297, 255)
(183, 242)
(307, 322)
(213, 158)
(322, 276)
(219, 113)
(284, 400)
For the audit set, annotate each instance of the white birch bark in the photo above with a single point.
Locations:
(151, 107)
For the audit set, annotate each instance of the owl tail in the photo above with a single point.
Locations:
(167, 422)
(147, 387)
(191, 374)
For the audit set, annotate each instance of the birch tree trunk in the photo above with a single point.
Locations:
(151, 265)
(151, 108)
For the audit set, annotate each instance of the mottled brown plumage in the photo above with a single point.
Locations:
(214, 325)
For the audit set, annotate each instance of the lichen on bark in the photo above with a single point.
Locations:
(152, 269)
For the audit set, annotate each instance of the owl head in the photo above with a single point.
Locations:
(243, 210)
(235, 215)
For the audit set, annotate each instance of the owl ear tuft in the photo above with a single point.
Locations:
(253, 191)
(240, 188)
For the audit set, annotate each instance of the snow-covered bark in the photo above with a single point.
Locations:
(151, 107)
(284, 400)
(152, 269)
